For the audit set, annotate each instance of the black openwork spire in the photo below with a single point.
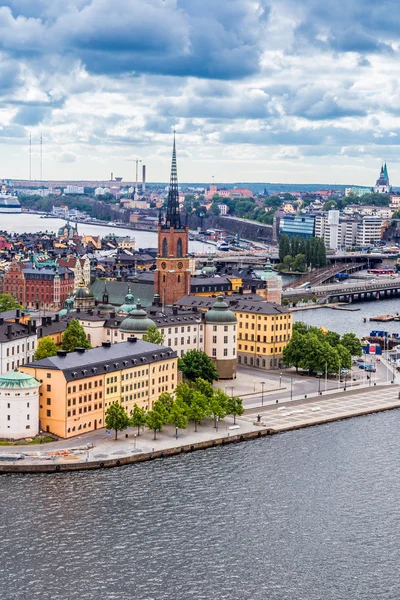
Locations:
(173, 218)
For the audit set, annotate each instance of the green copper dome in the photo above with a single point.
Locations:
(129, 304)
(268, 273)
(220, 313)
(17, 380)
(210, 268)
(82, 292)
(68, 306)
(137, 321)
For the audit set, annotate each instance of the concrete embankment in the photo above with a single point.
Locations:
(272, 420)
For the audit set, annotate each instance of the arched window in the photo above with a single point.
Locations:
(165, 247)
(245, 360)
(239, 358)
(258, 362)
(179, 248)
(251, 361)
(179, 278)
(263, 363)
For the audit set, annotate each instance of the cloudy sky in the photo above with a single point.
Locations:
(294, 91)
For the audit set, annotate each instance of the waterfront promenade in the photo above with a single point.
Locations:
(100, 450)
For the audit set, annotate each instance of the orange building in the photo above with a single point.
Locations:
(78, 387)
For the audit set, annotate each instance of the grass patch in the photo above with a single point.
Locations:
(40, 440)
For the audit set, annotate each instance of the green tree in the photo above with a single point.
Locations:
(293, 351)
(116, 418)
(196, 410)
(138, 417)
(155, 421)
(284, 247)
(160, 406)
(46, 347)
(204, 387)
(299, 263)
(166, 400)
(352, 343)
(286, 302)
(195, 364)
(344, 356)
(75, 337)
(184, 392)
(8, 302)
(154, 336)
(332, 338)
(178, 415)
(234, 407)
(218, 405)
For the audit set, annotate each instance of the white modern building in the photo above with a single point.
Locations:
(19, 406)
(369, 231)
(17, 345)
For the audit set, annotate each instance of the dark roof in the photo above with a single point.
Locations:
(79, 365)
(51, 328)
(203, 302)
(117, 291)
(16, 330)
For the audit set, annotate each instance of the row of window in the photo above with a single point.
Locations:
(169, 342)
(82, 426)
(10, 366)
(82, 400)
(265, 339)
(183, 329)
(16, 349)
(279, 327)
(83, 386)
(263, 350)
(214, 352)
(258, 362)
(81, 410)
(274, 318)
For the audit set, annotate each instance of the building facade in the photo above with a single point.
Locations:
(78, 387)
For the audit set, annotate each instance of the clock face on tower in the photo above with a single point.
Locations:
(163, 265)
(180, 265)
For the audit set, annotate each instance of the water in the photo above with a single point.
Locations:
(308, 515)
(345, 321)
(23, 223)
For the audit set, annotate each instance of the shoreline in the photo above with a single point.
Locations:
(275, 419)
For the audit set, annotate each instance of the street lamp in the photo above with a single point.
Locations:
(262, 393)
(338, 386)
(231, 387)
(291, 388)
(326, 375)
(217, 423)
(280, 380)
(319, 385)
(254, 385)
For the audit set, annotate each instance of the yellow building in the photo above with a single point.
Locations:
(264, 329)
(78, 387)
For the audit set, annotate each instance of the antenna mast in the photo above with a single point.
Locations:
(41, 157)
(30, 156)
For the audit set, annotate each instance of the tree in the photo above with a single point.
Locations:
(155, 421)
(204, 387)
(196, 411)
(166, 400)
(235, 407)
(154, 336)
(138, 417)
(116, 418)
(352, 343)
(286, 302)
(344, 357)
(293, 351)
(178, 415)
(46, 347)
(218, 405)
(332, 338)
(8, 302)
(75, 337)
(284, 247)
(195, 364)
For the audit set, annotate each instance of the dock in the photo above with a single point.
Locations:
(385, 318)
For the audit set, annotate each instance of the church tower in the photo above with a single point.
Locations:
(172, 274)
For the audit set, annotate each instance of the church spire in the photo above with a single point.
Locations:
(173, 218)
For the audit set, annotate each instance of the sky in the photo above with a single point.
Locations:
(292, 91)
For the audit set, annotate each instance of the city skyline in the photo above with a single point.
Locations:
(257, 91)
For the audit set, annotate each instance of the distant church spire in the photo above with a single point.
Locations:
(173, 218)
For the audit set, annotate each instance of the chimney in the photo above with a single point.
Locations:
(16, 319)
(9, 331)
(106, 344)
(174, 310)
(1, 321)
(132, 339)
(61, 353)
(80, 350)
(253, 289)
(78, 310)
(18, 313)
(57, 318)
(29, 327)
(143, 178)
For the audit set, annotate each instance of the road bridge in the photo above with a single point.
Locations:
(351, 292)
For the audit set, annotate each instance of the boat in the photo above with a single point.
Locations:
(222, 246)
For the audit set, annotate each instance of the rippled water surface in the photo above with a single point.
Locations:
(308, 515)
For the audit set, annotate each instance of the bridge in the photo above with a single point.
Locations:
(350, 292)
